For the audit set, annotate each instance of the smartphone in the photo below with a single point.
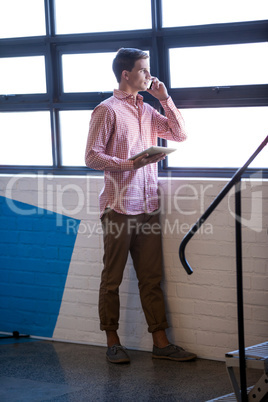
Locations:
(150, 84)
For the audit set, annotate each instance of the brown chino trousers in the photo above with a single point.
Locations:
(141, 236)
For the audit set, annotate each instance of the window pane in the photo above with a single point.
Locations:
(74, 127)
(197, 12)
(91, 72)
(22, 75)
(25, 138)
(243, 64)
(22, 18)
(101, 16)
(221, 137)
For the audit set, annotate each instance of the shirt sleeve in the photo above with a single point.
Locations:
(101, 128)
(171, 126)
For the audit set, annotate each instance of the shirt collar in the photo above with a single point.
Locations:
(125, 95)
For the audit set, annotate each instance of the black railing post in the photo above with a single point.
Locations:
(235, 181)
(239, 284)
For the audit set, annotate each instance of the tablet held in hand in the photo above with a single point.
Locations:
(153, 151)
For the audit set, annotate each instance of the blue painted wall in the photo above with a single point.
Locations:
(35, 253)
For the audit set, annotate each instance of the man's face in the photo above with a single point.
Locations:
(139, 76)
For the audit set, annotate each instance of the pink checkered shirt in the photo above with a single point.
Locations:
(118, 130)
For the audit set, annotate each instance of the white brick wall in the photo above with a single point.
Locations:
(201, 308)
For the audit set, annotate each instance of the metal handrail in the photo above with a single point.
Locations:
(235, 179)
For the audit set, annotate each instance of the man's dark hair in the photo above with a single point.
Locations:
(125, 60)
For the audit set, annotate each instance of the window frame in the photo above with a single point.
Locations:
(158, 41)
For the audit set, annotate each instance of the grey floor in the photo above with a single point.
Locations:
(32, 371)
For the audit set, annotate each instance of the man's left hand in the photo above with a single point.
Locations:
(158, 89)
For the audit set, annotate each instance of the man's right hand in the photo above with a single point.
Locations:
(145, 159)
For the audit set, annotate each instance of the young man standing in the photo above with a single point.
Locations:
(121, 127)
